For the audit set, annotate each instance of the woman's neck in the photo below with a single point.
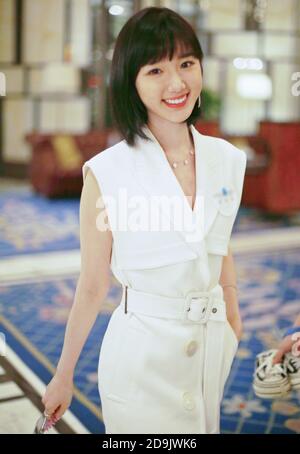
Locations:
(175, 139)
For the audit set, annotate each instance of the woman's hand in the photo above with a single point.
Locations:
(285, 346)
(58, 396)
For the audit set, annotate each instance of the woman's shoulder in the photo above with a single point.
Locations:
(226, 148)
(112, 153)
(110, 160)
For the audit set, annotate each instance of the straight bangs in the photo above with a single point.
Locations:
(167, 47)
(165, 40)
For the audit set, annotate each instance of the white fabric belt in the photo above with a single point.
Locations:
(197, 306)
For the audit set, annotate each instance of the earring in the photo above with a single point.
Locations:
(199, 101)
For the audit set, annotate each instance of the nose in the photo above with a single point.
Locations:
(176, 84)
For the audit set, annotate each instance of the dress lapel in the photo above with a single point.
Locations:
(209, 175)
(155, 175)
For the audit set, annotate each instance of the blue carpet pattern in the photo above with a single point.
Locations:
(31, 223)
(33, 317)
(269, 300)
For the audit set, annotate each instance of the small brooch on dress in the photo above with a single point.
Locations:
(224, 195)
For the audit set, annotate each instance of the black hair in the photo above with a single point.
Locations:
(148, 36)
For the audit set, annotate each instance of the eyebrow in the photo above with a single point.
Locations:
(184, 55)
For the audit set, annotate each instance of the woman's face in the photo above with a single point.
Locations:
(169, 89)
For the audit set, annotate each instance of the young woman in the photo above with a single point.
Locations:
(169, 345)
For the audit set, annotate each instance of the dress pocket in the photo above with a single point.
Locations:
(121, 359)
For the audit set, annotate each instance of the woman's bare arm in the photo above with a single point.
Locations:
(228, 277)
(92, 287)
(94, 280)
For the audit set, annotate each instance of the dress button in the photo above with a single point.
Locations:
(191, 348)
(188, 401)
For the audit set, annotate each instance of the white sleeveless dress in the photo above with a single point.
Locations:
(159, 375)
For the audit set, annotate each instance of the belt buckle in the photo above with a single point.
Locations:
(204, 310)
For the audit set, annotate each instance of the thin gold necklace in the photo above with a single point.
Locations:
(184, 161)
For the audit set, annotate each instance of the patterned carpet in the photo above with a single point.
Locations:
(31, 223)
(33, 312)
(33, 317)
(269, 300)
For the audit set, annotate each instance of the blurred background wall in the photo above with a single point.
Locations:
(55, 59)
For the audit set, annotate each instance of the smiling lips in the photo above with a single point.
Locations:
(176, 102)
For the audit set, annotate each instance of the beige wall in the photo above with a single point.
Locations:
(220, 22)
(7, 35)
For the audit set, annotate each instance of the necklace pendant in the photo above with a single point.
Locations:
(186, 162)
(174, 165)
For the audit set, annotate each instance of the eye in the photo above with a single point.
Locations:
(188, 61)
(153, 71)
